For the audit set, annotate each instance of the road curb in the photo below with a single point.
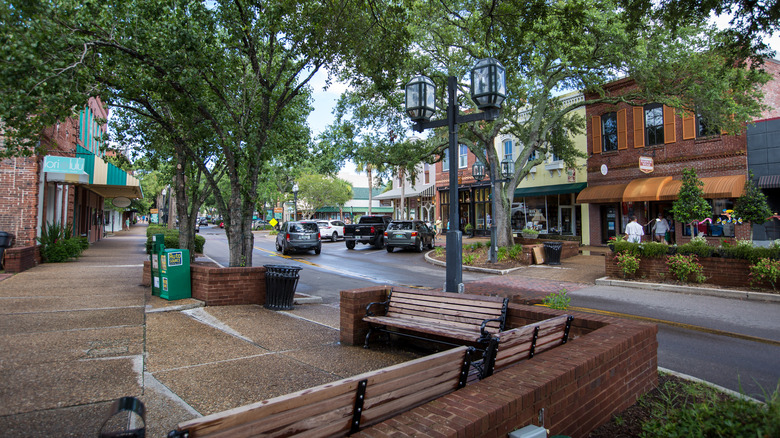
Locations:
(435, 262)
(711, 385)
(694, 290)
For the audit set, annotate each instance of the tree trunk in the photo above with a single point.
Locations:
(370, 191)
(503, 216)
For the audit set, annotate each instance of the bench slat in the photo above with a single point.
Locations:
(452, 321)
(389, 409)
(515, 345)
(428, 327)
(434, 301)
(474, 315)
(449, 297)
(331, 400)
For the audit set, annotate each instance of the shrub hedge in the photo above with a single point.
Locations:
(171, 238)
(658, 250)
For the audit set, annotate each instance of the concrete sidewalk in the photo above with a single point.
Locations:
(76, 336)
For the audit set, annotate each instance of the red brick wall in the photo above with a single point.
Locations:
(580, 385)
(217, 286)
(20, 259)
(353, 309)
(720, 271)
(19, 199)
(772, 90)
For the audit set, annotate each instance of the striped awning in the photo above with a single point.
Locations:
(645, 189)
(601, 194)
(769, 182)
(716, 187)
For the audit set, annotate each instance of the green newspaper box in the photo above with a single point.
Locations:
(158, 246)
(175, 274)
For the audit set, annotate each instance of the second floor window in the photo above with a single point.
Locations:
(426, 173)
(445, 162)
(654, 124)
(609, 134)
(704, 128)
(508, 152)
(463, 157)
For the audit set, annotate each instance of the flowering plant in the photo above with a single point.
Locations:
(627, 262)
(765, 270)
(686, 266)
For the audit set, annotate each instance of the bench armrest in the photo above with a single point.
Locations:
(381, 303)
(483, 327)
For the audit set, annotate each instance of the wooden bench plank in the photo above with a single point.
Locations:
(463, 323)
(329, 407)
(428, 327)
(515, 345)
(448, 297)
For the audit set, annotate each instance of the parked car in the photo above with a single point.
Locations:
(370, 229)
(299, 236)
(203, 221)
(409, 234)
(197, 226)
(331, 229)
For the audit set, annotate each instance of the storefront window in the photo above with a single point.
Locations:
(482, 208)
(720, 224)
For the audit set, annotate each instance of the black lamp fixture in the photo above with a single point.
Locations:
(488, 90)
(295, 200)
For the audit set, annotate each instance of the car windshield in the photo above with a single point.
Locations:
(308, 227)
(322, 224)
(400, 226)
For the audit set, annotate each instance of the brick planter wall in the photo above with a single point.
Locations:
(719, 271)
(217, 286)
(20, 259)
(580, 385)
(570, 249)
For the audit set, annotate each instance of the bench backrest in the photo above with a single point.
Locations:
(523, 343)
(466, 313)
(342, 407)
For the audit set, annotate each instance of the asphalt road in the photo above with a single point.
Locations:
(731, 343)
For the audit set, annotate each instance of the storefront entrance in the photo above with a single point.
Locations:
(610, 226)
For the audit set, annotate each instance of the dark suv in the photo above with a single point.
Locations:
(299, 236)
(409, 234)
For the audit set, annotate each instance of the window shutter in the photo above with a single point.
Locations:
(688, 125)
(595, 127)
(670, 136)
(639, 127)
(622, 129)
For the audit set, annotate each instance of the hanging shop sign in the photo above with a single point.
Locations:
(646, 164)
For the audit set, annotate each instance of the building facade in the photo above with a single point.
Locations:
(66, 186)
(412, 200)
(636, 158)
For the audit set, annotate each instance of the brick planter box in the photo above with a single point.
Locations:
(217, 286)
(570, 249)
(580, 385)
(719, 271)
(20, 259)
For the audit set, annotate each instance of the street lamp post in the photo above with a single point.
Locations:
(478, 172)
(488, 90)
(295, 200)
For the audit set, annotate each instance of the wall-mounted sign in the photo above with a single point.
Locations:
(646, 164)
(604, 169)
(56, 164)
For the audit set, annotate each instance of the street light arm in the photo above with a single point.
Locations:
(489, 115)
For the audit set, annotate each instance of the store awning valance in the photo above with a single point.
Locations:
(601, 194)
(408, 193)
(645, 189)
(716, 187)
(555, 189)
(769, 182)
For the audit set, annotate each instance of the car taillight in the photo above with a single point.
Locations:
(414, 233)
(385, 233)
(319, 236)
(373, 230)
(287, 236)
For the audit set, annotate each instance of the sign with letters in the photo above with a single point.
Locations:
(57, 164)
(175, 258)
(646, 164)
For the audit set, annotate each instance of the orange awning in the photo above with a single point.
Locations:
(715, 187)
(645, 189)
(605, 193)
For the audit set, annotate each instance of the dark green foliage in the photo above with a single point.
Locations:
(699, 248)
(690, 204)
(655, 249)
(752, 206)
(171, 238)
(626, 246)
(56, 247)
(748, 252)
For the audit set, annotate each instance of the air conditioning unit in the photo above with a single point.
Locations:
(529, 431)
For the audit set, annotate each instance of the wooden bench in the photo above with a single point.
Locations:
(512, 346)
(439, 314)
(342, 407)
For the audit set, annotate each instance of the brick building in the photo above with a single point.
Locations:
(636, 158)
(68, 185)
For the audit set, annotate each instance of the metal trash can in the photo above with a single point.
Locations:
(552, 252)
(280, 284)
(6, 240)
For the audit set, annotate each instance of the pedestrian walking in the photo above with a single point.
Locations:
(634, 231)
(660, 228)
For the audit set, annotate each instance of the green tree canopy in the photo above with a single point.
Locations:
(690, 205)
(752, 206)
(318, 191)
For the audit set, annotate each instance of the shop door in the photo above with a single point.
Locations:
(609, 222)
(567, 222)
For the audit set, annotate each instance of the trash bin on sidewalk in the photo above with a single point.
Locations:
(6, 239)
(552, 252)
(280, 284)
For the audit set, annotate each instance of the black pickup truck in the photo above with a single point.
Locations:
(370, 229)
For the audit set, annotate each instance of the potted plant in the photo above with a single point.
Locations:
(529, 233)
(469, 229)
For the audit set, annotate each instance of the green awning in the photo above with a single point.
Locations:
(556, 189)
(355, 209)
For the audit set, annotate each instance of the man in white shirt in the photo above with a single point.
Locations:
(634, 231)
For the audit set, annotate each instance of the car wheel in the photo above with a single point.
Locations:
(390, 248)
(419, 246)
(433, 243)
(285, 250)
(334, 237)
(350, 244)
(278, 248)
(380, 243)
(318, 250)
